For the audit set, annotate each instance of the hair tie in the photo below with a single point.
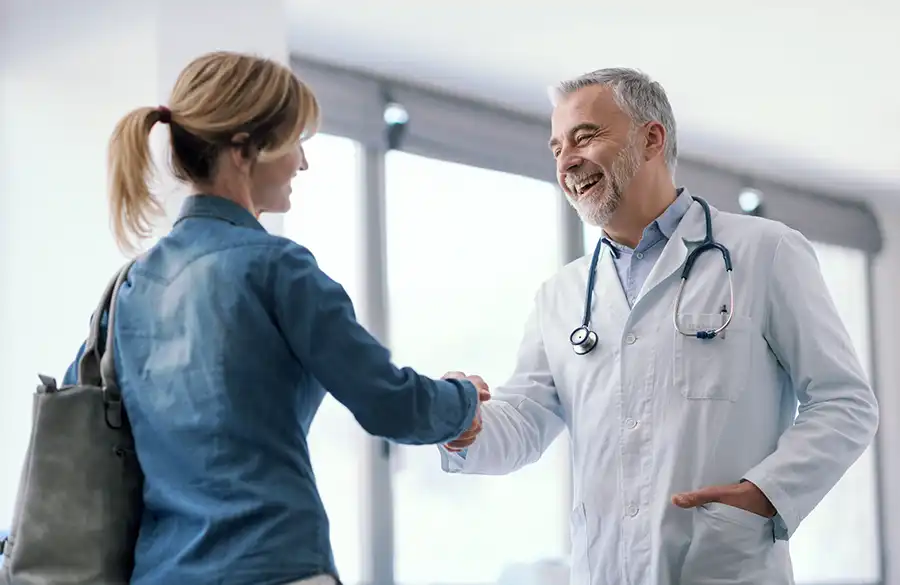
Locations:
(165, 114)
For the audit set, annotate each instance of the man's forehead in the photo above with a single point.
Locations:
(593, 104)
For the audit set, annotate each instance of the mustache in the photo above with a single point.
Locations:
(575, 177)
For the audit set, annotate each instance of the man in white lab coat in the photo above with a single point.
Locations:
(689, 464)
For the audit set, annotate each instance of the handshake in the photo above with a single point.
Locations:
(484, 394)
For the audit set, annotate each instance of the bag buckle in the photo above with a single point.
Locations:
(113, 408)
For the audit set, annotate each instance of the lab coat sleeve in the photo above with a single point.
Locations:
(318, 321)
(520, 421)
(838, 412)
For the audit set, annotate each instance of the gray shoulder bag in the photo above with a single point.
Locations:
(79, 503)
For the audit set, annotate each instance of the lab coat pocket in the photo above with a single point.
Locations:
(578, 531)
(729, 545)
(712, 369)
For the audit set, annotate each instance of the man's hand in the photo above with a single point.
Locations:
(744, 495)
(484, 394)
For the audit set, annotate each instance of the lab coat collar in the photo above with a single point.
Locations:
(690, 233)
(608, 287)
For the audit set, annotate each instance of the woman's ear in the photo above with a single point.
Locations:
(242, 152)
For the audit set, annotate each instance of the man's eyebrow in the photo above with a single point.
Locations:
(578, 128)
(585, 126)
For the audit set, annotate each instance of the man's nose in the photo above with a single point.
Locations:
(566, 163)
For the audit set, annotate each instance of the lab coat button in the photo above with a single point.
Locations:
(632, 511)
(630, 339)
(630, 423)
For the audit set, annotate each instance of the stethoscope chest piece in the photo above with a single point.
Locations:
(583, 340)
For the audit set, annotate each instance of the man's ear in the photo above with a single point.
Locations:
(656, 140)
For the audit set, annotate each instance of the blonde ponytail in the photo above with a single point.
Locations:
(132, 207)
(216, 97)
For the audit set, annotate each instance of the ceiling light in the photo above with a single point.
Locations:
(750, 201)
(395, 114)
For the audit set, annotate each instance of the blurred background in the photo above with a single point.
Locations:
(431, 197)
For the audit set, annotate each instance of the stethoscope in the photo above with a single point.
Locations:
(584, 339)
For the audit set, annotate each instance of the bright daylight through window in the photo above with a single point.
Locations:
(839, 541)
(467, 250)
(324, 217)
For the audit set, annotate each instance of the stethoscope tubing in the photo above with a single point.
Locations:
(584, 339)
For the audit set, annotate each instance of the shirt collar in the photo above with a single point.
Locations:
(211, 206)
(671, 217)
(663, 226)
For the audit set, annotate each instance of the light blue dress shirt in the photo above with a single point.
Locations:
(634, 264)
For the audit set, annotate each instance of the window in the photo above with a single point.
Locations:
(325, 217)
(839, 541)
(467, 250)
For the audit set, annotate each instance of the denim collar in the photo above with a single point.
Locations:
(214, 207)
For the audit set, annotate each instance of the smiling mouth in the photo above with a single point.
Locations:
(581, 188)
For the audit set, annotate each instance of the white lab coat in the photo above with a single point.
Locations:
(652, 413)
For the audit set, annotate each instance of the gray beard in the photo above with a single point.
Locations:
(599, 209)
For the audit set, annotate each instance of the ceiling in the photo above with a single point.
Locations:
(792, 89)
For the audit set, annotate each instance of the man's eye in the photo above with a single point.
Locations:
(582, 138)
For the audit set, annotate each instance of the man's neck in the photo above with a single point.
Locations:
(636, 212)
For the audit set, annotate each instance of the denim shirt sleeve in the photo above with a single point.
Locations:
(71, 375)
(317, 319)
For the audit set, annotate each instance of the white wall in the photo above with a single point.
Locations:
(68, 72)
(64, 87)
(886, 292)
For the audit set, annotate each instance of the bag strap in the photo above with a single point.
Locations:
(95, 369)
(89, 365)
(112, 393)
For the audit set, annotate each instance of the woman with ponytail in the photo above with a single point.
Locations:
(227, 338)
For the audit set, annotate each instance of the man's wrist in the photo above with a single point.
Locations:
(767, 509)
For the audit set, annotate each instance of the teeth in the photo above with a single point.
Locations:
(582, 186)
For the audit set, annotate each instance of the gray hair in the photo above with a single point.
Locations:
(643, 99)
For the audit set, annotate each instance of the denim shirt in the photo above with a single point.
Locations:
(227, 338)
